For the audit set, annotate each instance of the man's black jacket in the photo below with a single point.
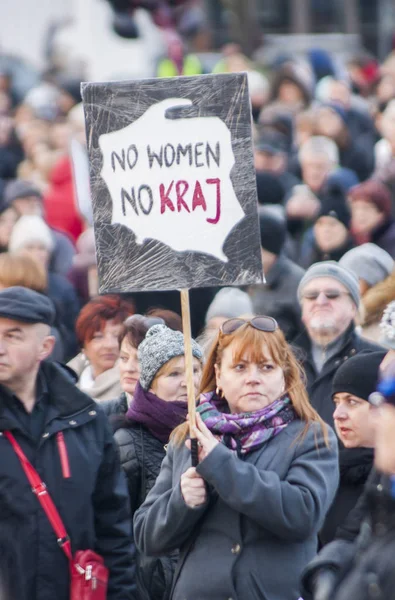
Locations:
(92, 498)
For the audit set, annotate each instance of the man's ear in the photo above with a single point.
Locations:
(47, 346)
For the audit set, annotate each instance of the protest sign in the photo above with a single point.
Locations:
(172, 182)
(173, 189)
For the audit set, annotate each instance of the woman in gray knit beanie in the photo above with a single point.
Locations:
(159, 404)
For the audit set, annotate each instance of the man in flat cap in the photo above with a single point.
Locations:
(65, 436)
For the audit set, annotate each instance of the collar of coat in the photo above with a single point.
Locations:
(303, 346)
(64, 395)
(303, 340)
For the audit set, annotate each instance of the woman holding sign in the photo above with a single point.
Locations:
(159, 404)
(246, 519)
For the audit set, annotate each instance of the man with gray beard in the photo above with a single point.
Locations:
(329, 297)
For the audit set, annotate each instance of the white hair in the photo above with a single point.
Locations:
(28, 229)
(320, 145)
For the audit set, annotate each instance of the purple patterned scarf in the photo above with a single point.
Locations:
(158, 416)
(245, 432)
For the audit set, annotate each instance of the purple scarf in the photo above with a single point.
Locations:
(245, 432)
(158, 416)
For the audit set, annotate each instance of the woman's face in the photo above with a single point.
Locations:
(102, 350)
(246, 385)
(172, 385)
(329, 123)
(129, 367)
(329, 233)
(7, 221)
(38, 252)
(354, 421)
(290, 93)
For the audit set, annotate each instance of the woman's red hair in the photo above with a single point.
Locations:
(255, 345)
(97, 312)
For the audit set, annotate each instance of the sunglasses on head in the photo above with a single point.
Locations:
(329, 294)
(267, 324)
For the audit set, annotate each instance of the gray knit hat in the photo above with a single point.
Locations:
(229, 302)
(368, 262)
(159, 346)
(331, 268)
(387, 327)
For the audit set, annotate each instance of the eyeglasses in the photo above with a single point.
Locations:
(267, 324)
(329, 294)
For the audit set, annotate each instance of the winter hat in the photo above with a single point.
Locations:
(375, 192)
(321, 62)
(229, 302)
(19, 188)
(272, 142)
(387, 326)
(28, 229)
(331, 268)
(368, 262)
(299, 74)
(160, 345)
(272, 230)
(269, 188)
(25, 305)
(71, 85)
(342, 178)
(43, 99)
(358, 375)
(333, 204)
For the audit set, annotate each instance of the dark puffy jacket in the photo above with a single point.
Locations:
(336, 558)
(319, 388)
(91, 498)
(372, 573)
(355, 466)
(141, 458)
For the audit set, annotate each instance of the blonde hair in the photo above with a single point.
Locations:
(251, 344)
(20, 269)
(167, 368)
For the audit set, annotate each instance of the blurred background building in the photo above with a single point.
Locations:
(81, 32)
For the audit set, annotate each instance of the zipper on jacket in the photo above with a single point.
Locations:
(64, 459)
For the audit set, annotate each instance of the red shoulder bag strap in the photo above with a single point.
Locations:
(40, 489)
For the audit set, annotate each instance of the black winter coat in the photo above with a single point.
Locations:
(92, 500)
(337, 557)
(319, 385)
(141, 457)
(372, 574)
(355, 466)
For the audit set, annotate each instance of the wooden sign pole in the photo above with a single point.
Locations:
(186, 326)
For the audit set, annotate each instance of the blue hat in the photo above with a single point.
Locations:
(24, 305)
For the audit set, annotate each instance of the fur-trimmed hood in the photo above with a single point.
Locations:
(376, 299)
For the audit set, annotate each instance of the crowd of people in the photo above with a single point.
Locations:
(294, 492)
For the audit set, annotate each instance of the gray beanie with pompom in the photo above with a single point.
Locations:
(160, 345)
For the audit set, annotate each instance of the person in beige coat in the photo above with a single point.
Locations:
(99, 326)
